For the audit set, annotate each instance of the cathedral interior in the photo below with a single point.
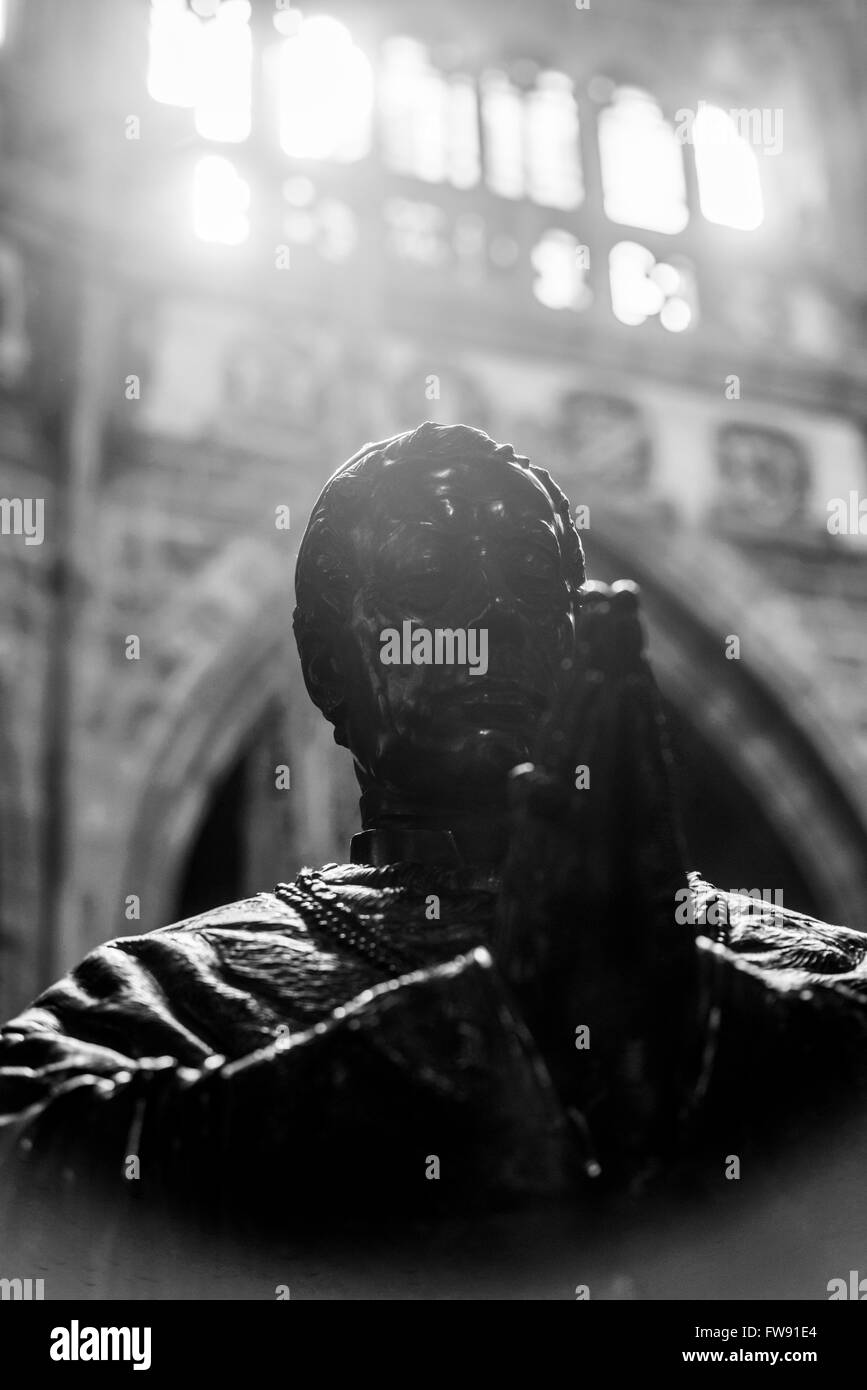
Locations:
(238, 239)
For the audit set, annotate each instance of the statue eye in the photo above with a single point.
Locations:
(535, 567)
(423, 586)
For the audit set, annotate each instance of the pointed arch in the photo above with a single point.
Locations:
(765, 714)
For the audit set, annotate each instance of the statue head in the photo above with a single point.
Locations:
(437, 588)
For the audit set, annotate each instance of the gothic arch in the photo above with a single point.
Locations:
(765, 714)
(200, 736)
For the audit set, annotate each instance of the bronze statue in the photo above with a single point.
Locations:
(500, 980)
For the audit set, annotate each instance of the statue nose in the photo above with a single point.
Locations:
(502, 621)
(492, 603)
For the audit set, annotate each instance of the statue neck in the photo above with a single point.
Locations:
(395, 830)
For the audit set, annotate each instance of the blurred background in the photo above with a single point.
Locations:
(239, 239)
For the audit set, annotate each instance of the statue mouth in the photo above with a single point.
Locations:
(497, 700)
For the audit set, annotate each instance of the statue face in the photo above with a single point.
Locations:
(455, 547)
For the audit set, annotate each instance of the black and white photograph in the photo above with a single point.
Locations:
(433, 668)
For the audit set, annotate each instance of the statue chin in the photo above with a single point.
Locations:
(489, 754)
(462, 766)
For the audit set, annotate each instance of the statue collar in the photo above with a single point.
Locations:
(394, 844)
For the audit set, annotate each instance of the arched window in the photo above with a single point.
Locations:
(552, 149)
(174, 53)
(464, 156)
(428, 119)
(642, 164)
(532, 139)
(503, 120)
(729, 187)
(203, 64)
(324, 87)
(224, 86)
(321, 82)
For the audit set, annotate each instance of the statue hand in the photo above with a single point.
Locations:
(586, 932)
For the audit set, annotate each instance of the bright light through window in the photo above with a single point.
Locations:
(221, 200)
(561, 264)
(414, 112)
(175, 53)
(730, 190)
(642, 164)
(503, 112)
(642, 287)
(223, 95)
(325, 93)
(204, 63)
(553, 151)
(675, 315)
(634, 296)
(464, 159)
(429, 123)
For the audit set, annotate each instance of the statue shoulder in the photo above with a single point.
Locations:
(234, 978)
(221, 983)
(758, 927)
(259, 912)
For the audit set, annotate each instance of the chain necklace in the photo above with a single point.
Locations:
(321, 908)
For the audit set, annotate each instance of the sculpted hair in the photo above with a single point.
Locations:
(326, 576)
